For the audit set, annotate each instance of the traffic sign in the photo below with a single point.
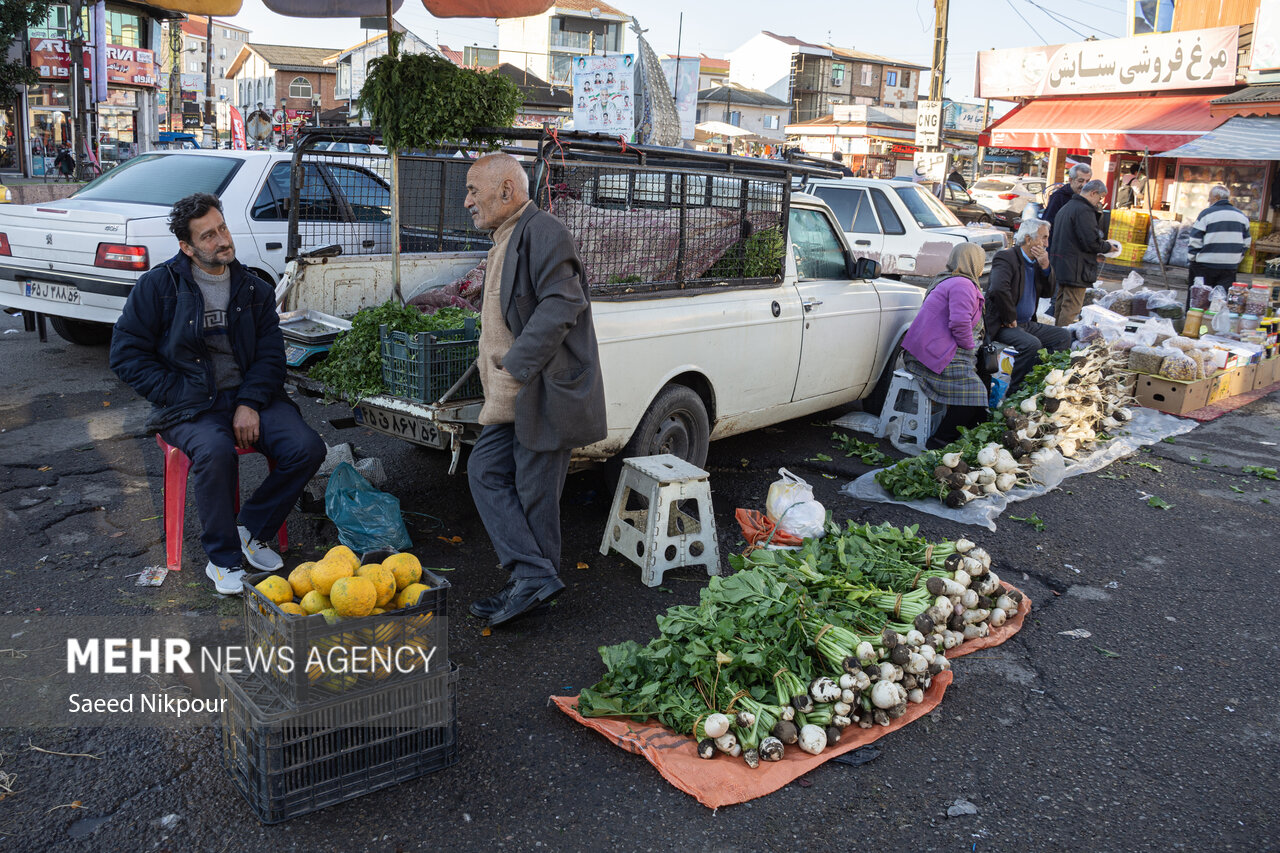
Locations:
(928, 123)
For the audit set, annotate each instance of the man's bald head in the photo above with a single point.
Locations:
(497, 186)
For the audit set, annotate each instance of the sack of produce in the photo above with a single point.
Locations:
(1145, 359)
(1160, 244)
(1180, 257)
(1179, 366)
(791, 506)
(1178, 342)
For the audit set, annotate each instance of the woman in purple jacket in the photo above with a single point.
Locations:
(940, 348)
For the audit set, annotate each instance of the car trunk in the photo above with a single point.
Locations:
(68, 232)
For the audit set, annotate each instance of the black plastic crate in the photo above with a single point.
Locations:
(289, 762)
(424, 626)
(422, 366)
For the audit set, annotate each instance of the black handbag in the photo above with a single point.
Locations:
(989, 357)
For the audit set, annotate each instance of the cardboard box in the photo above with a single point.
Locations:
(1266, 374)
(1219, 387)
(1242, 380)
(1168, 395)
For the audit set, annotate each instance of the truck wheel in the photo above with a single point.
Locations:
(676, 423)
(874, 402)
(81, 332)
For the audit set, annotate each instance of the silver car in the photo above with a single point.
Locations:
(1008, 196)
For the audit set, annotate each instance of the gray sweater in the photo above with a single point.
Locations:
(216, 290)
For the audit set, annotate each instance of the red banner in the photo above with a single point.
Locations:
(133, 66)
(237, 130)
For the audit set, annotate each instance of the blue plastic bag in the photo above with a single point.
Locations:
(367, 519)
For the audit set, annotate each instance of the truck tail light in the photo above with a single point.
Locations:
(4, 244)
(1007, 196)
(114, 256)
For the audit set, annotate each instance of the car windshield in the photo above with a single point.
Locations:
(927, 211)
(998, 186)
(162, 178)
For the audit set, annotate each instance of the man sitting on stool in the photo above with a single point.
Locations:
(200, 338)
(1019, 278)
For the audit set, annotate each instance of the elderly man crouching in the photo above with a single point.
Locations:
(1020, 276)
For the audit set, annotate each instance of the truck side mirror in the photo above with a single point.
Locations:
(864, 268)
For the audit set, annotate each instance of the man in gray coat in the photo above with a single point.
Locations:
(540, 369)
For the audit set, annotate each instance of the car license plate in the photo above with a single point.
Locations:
(65, 293)
(408, 427)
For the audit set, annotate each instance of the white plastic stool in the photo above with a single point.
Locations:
(907, 405)
(661, 535)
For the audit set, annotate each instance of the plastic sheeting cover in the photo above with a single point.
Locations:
(1147, 427)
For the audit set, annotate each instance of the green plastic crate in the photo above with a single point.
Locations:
(422, 366)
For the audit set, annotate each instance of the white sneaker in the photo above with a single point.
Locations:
(258, 554)
(225, 581)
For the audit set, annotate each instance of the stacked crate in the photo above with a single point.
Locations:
(303, 735)
(1250, 263)
(1129, 227)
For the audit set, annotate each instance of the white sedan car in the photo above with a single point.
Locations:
(1007, 196)
(76, 260)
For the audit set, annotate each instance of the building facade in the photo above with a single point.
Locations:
(545, 45)
(352, 68)
(293, 84)
(121, 108)
(184, 46)
(750, 109)
(814, 79)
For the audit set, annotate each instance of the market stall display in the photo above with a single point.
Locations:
(798, 646)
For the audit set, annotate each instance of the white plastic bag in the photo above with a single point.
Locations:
(791, 506)
(1132, 281)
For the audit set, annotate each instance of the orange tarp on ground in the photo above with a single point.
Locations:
(724, 781)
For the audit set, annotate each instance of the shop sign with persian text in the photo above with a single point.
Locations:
(1183, 60)
(132, 66)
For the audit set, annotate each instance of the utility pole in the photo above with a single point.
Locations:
(175, 75)
(79, 108)
(938, 74)
(210, 140)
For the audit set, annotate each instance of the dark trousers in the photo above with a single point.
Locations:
(1028, 340)
(517, 493)
(955, 417)
(210, 444)
(1214, 277)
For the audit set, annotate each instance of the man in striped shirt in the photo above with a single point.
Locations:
(1219, 239)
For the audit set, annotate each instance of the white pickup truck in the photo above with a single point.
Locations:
(682, 365)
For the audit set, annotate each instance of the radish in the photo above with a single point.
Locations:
(771, 749)
(813, 739)
(716, 725)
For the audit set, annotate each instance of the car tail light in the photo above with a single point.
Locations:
(1007, 196)
(4, 244)
(114, 256)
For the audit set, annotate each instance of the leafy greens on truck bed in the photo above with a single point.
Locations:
(353, 368)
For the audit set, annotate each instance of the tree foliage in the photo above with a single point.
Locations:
(421, 101)
(15, 17)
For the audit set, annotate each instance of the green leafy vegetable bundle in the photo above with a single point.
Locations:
(353, 368)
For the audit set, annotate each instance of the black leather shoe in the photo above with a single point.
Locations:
(523, 595)
(486, 607)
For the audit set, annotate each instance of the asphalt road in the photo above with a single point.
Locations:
(1157, 732)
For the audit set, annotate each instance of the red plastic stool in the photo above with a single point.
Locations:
(176, 468)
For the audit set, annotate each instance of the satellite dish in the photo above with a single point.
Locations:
(258, 126)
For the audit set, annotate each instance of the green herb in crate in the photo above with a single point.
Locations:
(353, 368)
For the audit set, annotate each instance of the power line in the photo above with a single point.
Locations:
(1025, 21)
(1055, 15)
(1058, 22)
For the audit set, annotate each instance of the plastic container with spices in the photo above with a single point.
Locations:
(1191, 325)
(1234, 327)
(1138, 305)
(1259, 299)
(1248, 323)
(1236, 295)
(1200, 294)
(1207, 326)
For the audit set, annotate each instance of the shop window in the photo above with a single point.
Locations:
(300, 88)
(124, 28)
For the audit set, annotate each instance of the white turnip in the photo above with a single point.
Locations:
(813, 739)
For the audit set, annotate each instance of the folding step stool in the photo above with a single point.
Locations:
(662, 536)
(907, 404)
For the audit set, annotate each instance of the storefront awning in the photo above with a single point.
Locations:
(1153, 124)
(1239, 139)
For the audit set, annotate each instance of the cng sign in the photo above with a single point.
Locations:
(928, 123)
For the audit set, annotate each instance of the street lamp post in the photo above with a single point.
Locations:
(284, 122)
(315, 109)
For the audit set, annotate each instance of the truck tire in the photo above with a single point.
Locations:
(82, 332)
(874, 402)
(675, 423)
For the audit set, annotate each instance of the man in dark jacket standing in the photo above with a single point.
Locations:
(200, 338)
(543, 394)
(1074, 247)
(1020, 276)
(1077, 176)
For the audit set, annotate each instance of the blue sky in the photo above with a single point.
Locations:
(716, 27)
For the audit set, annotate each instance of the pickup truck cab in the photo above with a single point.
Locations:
(684, 362)
(901, 225)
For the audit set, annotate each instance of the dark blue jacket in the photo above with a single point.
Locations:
(1057, 199)
(158, 347)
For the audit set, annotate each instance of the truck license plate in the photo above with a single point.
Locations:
(408, 427)
(65, 293)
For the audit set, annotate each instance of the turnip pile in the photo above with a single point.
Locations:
(798, 646)
(1067, 403)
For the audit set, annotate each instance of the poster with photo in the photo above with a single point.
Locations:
(604, 93)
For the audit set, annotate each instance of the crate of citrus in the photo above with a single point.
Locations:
(336, 626)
